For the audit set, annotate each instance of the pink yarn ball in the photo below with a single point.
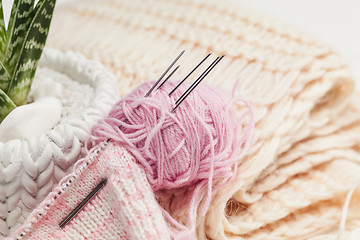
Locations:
(194, 144)
(197, 144)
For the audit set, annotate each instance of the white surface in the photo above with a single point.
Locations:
(334, 22)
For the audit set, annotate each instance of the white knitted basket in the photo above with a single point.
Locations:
(30, 168)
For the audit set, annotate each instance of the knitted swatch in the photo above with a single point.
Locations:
(125, 208)
(304, 154)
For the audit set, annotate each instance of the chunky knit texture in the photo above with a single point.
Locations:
(125, 208)
(304, 154)
(31, 168)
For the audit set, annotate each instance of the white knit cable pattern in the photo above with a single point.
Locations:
(29, 169)
(306, 123)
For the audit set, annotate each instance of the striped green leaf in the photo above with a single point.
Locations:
(6, 105)
(21, 15)
(12, 17)
(21, 46)
(4, 75)
(3, 36)
(31, 52)
(4, 78)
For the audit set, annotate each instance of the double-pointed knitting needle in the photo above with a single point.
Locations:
(197, 82)
(162, 75)
(187, 76)
(168, 77)
(82, 204)
(193, 86)
(159, 79)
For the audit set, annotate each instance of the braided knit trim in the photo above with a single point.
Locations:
(30, 168)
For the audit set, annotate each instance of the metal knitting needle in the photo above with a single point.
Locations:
(83, 203)
(168, 77)
(197, 82)
(187, 76)
(192, 87)
(199, 78)
(166, 71)
(160, 78)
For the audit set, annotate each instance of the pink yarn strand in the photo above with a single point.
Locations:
(200, 144)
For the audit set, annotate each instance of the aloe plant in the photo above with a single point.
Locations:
(21, 46)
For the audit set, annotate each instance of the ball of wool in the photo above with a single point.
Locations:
(195, 145)
(180, 148)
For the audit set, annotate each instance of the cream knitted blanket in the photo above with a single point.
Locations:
(305, 151)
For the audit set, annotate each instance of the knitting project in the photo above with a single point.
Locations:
(125, 208)
(304, 155)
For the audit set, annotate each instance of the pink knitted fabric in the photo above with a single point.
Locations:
(125, 208)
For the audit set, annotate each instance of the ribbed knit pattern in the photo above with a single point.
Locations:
(305, 150)
(125, 208)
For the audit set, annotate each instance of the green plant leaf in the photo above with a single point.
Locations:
(31, 52)
(12, 18)
(6, 105)
(4, 75)
(4, 78)
(3, 36)
(18, 26)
